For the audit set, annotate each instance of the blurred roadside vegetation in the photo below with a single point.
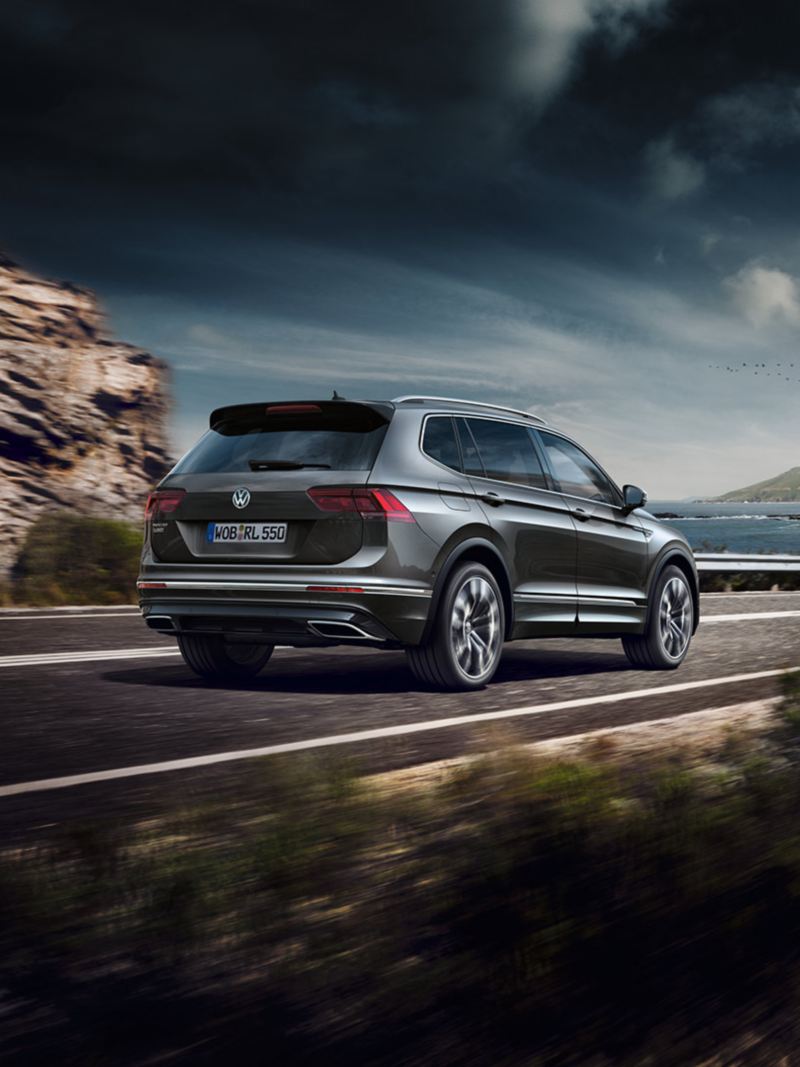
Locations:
(76, 559)
(750, 582)
(603, 911)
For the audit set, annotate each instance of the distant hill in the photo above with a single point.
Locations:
(786, 487)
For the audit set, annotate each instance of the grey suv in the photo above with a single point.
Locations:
(442, 527)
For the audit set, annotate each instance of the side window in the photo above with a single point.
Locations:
(472, 461)
(575, 473)
(439, 441)
(507, 452)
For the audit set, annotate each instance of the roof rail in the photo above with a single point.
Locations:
(469, 403)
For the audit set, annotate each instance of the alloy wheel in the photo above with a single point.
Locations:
(475, 627)
(675, 617)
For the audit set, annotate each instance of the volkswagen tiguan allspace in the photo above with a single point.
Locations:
(443, 527)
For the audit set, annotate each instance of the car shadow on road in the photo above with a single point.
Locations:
(376, 673)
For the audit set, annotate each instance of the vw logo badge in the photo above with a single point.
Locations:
(241, 497)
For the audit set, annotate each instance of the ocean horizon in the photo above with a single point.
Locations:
(735, 527)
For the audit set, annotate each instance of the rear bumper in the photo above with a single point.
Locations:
(304, 611)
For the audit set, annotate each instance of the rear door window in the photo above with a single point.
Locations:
(507, 452)
(341, 438)
(439, 441)
(575, 472)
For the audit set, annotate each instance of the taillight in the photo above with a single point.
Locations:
(163, 502)
(368, 503)
(391, 506)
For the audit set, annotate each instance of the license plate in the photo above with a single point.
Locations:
(273, 533)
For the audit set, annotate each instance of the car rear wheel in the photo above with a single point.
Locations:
(464, 646)
(213, 659)
(665, 642)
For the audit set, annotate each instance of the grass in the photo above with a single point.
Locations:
(521, 912)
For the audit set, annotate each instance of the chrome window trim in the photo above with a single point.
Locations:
(519, 485)
(537, 450)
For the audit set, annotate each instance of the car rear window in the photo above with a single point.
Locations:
(507, 452)
(345, 438)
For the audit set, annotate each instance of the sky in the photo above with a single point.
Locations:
(584, 208)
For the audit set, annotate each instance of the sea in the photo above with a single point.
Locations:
(750, 528)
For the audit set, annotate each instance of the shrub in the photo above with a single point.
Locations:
(76, 559)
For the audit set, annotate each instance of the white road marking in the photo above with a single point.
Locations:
(71, 618)
(706, 619)
(137, 770)
(755, 592)
(43, 659)
(71, 610)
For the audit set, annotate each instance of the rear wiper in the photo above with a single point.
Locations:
(285, 465)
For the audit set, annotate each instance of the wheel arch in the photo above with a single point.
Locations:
(676, 557)
(474, 550)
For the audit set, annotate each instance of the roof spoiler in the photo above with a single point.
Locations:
(232, 411)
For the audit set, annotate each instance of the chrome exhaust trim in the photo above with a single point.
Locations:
(332, 630)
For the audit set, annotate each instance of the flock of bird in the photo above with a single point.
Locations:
(779, 370)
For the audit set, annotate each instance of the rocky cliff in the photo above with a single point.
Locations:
(82, 417)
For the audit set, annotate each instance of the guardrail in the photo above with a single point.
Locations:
(730, 563)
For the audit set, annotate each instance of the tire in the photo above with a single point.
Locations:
(465, 642)
(668, 633)
(213, 659)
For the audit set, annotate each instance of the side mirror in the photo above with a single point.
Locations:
(634, 497)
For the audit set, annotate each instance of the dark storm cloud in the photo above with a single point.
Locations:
(340, 97)
(256, 92)
(576, 193)
(327, 96)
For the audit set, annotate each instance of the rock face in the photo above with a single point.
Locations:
(82, 417)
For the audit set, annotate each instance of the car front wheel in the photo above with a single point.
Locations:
(464, 646)
(213, 659)
(665, 642)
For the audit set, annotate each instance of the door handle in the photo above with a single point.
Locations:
(581, 514)
(492, 498)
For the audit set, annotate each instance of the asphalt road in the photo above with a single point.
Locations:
(94, 692)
